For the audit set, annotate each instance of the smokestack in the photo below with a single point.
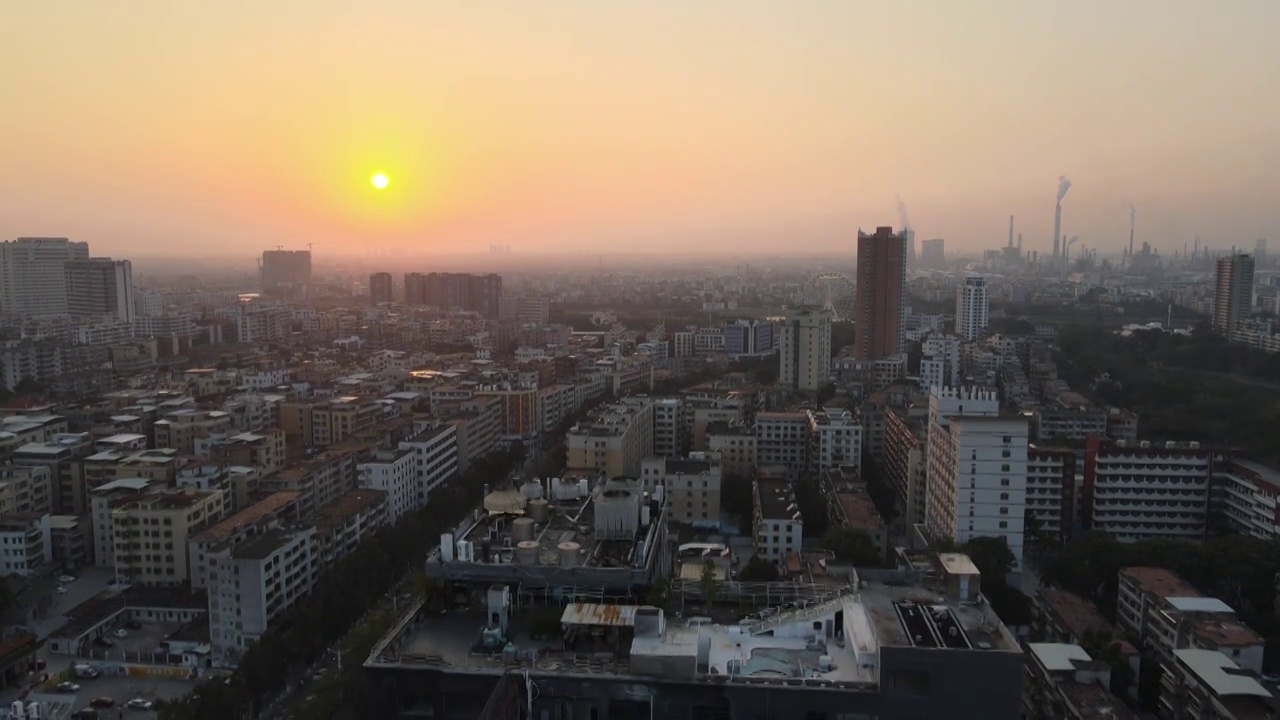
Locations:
(1133, 214)
(1010, 231)
(1057, 228)
(1019, 243)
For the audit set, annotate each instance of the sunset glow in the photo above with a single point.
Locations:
(379, 181)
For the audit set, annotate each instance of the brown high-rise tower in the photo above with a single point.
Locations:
(881, 294)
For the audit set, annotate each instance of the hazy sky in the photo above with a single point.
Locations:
(154, 126)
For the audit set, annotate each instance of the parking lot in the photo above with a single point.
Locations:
(123, 689)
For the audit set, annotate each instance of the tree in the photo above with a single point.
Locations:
(853, 546)
(736, 498)
(659, 592)
(758, 569)
(709, 583)
(813, 506)
(992, 557)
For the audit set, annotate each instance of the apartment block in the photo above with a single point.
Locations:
(906, 462)
(149, 532)
(777, 520)
(804, 349)
(1246, 495)
(736, 445)
(26, 490)
(264, 450)
(393, 473)
(477, 428)
(614, 440)
(849, 505)
(346, 522)
(265, 513)
(668, 427)
(556, 403)
(1147, 491)
(318, 481)
(520, 418)
(321, 423)
(691, 487)
(62, 456)
(25, 543)
(1064, 683)
(782, 439)
(1051, 490)
(252, 583)
(835, 440)
(1069, 416)
(1205, 685)
(977, 477)
(435, 459)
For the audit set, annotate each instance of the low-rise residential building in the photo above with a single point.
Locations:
(1051, 490)
(70, 536)
(614, 439)
(270, 511)
(26, 490)
(392, 472)
(1069, 416)
(435, 459)
(150, 532)
(1205, 685)
(556, 403)
(691, 487)
(62, 456)
(319, 480)
(1244, 495)
(736, 445)
(782, 439)
(835, 440)
(849, 505)
(180, 429)
(1064, 683)
(263, 449)
(25, 543)
(346, 522)
(777, 520)
(477, 429)
(254, 582)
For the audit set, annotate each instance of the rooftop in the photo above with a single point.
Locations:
(1159, 582)
(1059, 657)
(891, 609)
(262, 547)
(1226, 633)
(1219, 674)
(267, 507)
(1092, 700)
(776, 500)
(346, 506)
(1078, 615)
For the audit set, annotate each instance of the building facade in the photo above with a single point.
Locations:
(881, 293)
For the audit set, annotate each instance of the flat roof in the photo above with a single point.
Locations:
(264, 508)
(262, 547)
(122, 438)
(958, 564)
(1219, 674)
(1199, 604)
(599, 615)
(1058, 657)
(133, 483)
(1159, 582)
(347, 505)
(776, 500)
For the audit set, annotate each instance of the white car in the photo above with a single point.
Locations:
(139, 704)
(62, 590)
(67, 579)
(120, 633)
(67, 687)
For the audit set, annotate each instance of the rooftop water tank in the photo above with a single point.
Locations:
(527, 552)
(568, 554)
(532, 490)
(539, 510)
(522, 529)
(617, 515)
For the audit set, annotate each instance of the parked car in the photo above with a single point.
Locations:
(104, 641)
(139, 704)
(67, 686)
(66, 579)
(103, 702)
(120, 633)
(85, 714)
(86, 672)
(62, 590)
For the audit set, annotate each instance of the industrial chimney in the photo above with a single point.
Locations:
(1057, 228)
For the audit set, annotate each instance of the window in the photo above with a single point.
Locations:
(1004, 482)
(1004, 524)
(1007, 439)
(1004, 496)
(1004, 468)
(1004, 511)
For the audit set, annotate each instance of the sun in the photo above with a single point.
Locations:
(380, 181)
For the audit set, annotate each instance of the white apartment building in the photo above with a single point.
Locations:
(668, 427)
(252, 583)
(393, 472)
(977, 477)
(835, 440)
(973, 307)
(1147, 491)
(1051, 496)
(435, 459)
(25, 543)
(101, 286)
(778, 523)
(940, 362)
(682, 343)
(804, 349)
(1204, 685)
(782, 438)
(691, 487)
(33, 275)
(1245, 493)
(258, 322)
(736, 445)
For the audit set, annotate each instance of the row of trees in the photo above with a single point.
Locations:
(355, 585)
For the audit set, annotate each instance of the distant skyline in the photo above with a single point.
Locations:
(738, 126)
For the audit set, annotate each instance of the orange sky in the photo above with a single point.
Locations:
(196, 128)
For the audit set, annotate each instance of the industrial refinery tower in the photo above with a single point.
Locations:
(1059, 246)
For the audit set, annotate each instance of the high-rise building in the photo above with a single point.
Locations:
(1233, 292)
(464, 291)
(380, 288)
(804, 349)
(33, 275)
(100, 286)
(286, 274)
(880, 296)
(977, 473)
(933, 254)
(415, 289)
(748, 338)
(524, 309)
(973, 307)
